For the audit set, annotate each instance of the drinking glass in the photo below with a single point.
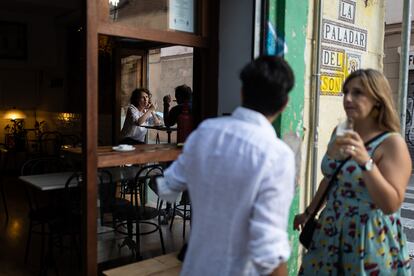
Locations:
(344, 126)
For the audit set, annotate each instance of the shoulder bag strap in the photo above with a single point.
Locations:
(335, 174)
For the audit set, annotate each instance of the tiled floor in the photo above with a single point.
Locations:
(13, 235)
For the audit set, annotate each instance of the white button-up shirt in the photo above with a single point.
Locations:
(240, 178)
(131, 128)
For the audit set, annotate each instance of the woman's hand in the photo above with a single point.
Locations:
(151, 107)
(352, 145)
(299, 221)
(335, 151)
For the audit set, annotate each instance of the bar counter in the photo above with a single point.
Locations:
(148, 153)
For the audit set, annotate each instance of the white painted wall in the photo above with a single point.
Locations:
(235, 50)
(393, 11)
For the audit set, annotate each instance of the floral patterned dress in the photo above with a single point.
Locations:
(353, 236)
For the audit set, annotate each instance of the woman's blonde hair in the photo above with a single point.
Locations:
(376, 84)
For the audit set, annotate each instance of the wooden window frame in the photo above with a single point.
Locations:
(205, 44)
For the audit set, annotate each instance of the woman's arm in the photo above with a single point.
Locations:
(141, 120)
(388, 180)
(157, 121)
(300, 219)
(332, 152)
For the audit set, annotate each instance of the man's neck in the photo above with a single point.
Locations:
(272, 118)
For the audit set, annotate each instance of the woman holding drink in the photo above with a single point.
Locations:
(140, 112)
(359, 231)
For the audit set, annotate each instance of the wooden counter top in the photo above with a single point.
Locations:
(161, 266)
(142, 154)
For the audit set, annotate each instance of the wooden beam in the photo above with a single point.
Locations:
(142, 33)
(90, 134)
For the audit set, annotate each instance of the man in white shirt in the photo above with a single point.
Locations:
(240, 177)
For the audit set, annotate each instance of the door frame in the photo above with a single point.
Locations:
(120, 52)
(205, 86)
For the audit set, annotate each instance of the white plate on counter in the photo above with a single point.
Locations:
(117, 148)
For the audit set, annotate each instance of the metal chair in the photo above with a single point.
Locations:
(40, 215)
(184, 210)
(109, 202)
(139, 212)
(50, 143)
(68, 224)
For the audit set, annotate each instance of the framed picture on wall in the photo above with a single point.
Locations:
(13, 40)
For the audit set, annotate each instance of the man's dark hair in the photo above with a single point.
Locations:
(183, 94)
(266, 82)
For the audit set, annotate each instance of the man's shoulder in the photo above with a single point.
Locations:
(217, 122)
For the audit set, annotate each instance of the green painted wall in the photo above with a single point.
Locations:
(289, 20)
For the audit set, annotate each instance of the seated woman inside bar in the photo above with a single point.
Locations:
(140, 112)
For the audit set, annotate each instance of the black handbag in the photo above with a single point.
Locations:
(305, 236)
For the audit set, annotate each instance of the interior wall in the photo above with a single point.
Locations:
(235, 50)
(35, 84)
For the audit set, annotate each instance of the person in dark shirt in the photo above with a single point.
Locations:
(183, 95)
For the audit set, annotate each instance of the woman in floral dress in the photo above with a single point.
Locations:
(359, 231)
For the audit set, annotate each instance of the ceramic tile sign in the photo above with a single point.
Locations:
(344, 35)
(353, 62)
(332, 58)
(331, 84)
(347, 11)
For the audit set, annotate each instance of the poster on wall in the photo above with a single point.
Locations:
(181, 15)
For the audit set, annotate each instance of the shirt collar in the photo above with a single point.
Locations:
(254, 117)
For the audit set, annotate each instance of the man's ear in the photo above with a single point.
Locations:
(273, 117)
(284, 106)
